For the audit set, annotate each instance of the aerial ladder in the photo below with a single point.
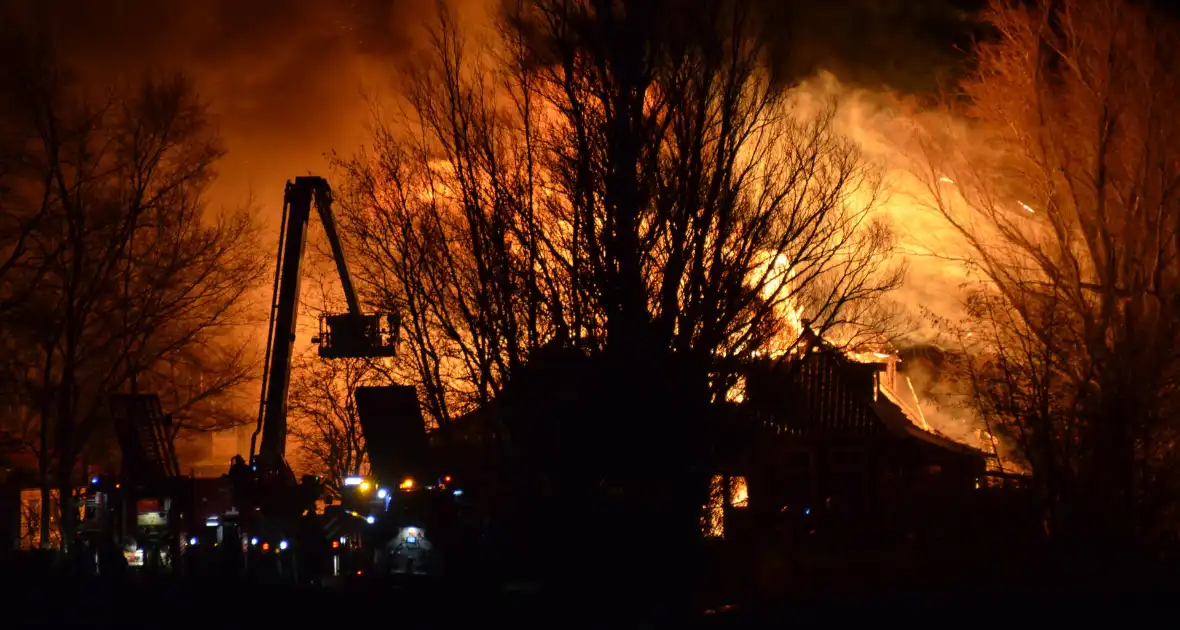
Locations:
(353, 334)
(267, 502)
(270, 503)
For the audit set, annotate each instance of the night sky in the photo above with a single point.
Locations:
(285, 78)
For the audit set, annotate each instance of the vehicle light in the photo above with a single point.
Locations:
(343, 540)
(353, 481)
(266, 546)
(447, 479)
(458, 493)
(335, 544)
(282, 544)
(253, 541)
(407, 484)
(365, 486)
(94, 481)
(370, 519)
(192, 541)
(411, 539)
(382, 493)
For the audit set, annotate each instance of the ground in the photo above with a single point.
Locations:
(97, 604)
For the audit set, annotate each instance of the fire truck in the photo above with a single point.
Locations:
(258, 518)
(275, 523)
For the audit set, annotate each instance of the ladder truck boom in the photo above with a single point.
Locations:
(351, 334)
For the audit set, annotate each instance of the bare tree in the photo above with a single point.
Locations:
(129, 282)
(608, 179)
(325, 425)
(1071, 214)
(592, 222)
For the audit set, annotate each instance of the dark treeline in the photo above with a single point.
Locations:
(1065, 184)
(590, 222)
(114, 275)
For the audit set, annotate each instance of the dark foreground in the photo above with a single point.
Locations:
(59, 602)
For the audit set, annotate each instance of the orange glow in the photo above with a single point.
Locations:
(335, 544)
(739, 495)
(266, 546)
(713, 518)
(447, 479)
(917, 404)
(407, 484)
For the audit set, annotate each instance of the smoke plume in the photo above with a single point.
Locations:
(286, 80)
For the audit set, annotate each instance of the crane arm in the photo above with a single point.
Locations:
(358, 334)
(284, 314)
(323, 204)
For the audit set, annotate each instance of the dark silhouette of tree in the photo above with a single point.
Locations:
(124, 280)
(591, 222)
(609, 179)
(1071, 215)
(324, 427)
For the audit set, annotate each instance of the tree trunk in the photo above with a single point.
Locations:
(65, 444)
(44, 461)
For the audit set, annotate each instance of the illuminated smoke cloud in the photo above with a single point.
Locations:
(285, 78)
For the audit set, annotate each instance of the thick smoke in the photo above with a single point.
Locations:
(285, 79)
(883, 124)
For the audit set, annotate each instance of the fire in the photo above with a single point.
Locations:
(780, 275)
(713, 512)
(739, 496)
(883, 126)
(917, 404)
(724, 492)
(867, 356)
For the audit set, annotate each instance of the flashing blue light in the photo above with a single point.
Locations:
(370, 519)
(458, 493)
(353, 481)
(807, 511)
(192, 541)
(411, 539)
(253, 541)
(282, 544)
(381, 493)
(94, 481)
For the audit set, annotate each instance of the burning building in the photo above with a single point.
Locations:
(824, 431)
